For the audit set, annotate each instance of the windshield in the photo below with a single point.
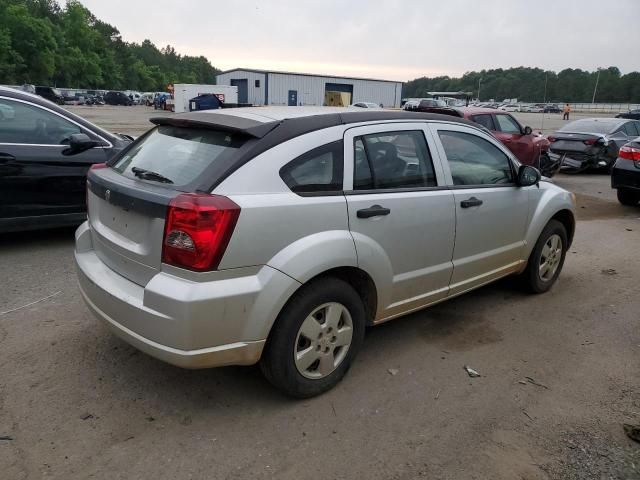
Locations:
(180, 154)
(588, 126)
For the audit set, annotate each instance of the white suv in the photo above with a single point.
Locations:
(278, 234)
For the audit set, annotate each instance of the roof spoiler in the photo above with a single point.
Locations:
(213, 121)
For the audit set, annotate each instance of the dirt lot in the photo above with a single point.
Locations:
(559, 378)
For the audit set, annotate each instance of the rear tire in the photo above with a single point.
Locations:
(628, 197)
(547, 258)
(309, 330)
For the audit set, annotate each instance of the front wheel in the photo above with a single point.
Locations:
(315, 338)
(547, 258)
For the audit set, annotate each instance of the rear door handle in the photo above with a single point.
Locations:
(373, 211)
(471, 202)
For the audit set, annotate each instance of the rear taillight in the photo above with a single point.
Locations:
(552, 139)
(629, 153)
(97, 166)
(197, 230)
(590, 141)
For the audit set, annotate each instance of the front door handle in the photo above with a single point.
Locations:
(471, 202)
(373, 211)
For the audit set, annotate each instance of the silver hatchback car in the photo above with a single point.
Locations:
(277, 235)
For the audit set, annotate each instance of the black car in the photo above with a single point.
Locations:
(52, 94)
(632, 114)
(117, 98)
(45, 153)
(428, 105)
(551, 108)
(625, 175)
(592, 142)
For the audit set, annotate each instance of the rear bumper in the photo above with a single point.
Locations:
(625, 176)
(239, 353)
(219, 321)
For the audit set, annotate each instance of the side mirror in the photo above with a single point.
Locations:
(528, 175)
(528, 131)
(78, 143)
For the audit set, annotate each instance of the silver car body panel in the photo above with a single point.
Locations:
(425, 251)
(489, 238)
(408, 252)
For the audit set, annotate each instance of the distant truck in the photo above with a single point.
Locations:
(184, 92)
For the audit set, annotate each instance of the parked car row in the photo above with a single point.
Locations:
(522, 107)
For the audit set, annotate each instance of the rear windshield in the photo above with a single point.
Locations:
(588, 126)
(180, 154)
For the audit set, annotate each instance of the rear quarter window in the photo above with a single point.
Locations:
(317, 172)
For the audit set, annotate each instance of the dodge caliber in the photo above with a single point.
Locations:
(276, 235)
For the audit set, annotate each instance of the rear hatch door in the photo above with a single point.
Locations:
(127, 201)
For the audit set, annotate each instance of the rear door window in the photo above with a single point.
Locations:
(630, 129)
(318, 171)
(180, 154)
(392, 160)
(507, 124)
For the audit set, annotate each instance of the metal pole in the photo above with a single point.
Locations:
(595, 89)
(479, 83)
(544, 103)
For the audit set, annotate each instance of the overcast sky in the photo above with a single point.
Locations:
(388, 39)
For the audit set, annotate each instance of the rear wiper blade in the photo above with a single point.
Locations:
(149, 175)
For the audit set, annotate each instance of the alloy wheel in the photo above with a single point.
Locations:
(550, 258)
(323, 340)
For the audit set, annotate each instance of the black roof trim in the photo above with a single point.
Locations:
(278, 132)
(255, 70)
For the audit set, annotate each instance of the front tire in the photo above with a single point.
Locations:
(628, 197)
(547, 258)
(315, 338)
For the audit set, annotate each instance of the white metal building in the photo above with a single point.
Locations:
(265, 87)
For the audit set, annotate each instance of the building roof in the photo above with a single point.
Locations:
(305, 74)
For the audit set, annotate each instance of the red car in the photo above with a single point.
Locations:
(529, 148)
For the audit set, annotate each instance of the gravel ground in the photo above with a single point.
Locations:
(559, 378)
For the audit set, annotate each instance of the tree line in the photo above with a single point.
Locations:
(536, 85)
(43, 43)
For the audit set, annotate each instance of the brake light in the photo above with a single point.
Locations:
(591, 141)
(630, 153)
(197, 230)
(552, 139)
(97, 166)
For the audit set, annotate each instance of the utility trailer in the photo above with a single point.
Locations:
(183, 92)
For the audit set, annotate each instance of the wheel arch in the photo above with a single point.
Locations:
(566, 218)
(361, 282)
